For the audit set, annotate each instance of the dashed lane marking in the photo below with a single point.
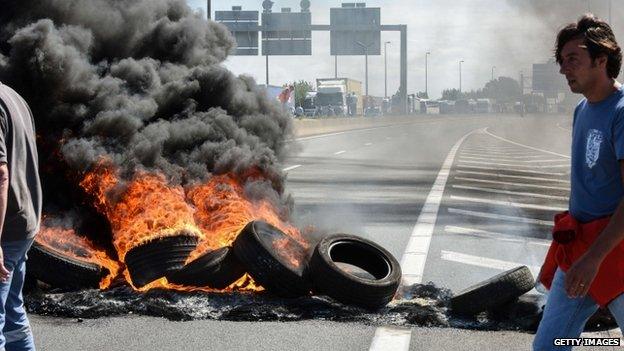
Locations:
(509, 203)
(485, 262)
(527, 185)
(291, 168)
(496, 236)
(500, 175)
(391, 339)
(500, 217)
(368, 144)
(340, 152)
(508, 192)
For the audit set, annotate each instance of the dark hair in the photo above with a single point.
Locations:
(598, 38)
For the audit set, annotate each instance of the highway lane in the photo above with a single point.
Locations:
(374, 183)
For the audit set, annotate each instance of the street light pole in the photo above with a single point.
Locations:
(386, 69)
(493, 67)
(426, 73)
(208, 9)
(365, 47)
(460, 62)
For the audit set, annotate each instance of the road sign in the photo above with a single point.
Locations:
(287, 33)
(351, 25)
(546, 78)
(243, 25)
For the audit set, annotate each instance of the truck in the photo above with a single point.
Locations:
(309, 104)
(338, 96)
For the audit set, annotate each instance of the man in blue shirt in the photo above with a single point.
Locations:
(590, 59)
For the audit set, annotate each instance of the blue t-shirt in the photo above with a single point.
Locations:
(597, 145)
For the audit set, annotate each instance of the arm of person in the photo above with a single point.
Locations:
(583, 272)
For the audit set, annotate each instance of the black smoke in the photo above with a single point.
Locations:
(140, 83)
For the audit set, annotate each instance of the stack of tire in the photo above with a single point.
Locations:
(371, 282)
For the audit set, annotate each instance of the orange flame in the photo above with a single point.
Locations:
(67, 243)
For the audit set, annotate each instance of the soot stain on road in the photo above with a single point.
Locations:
(424, 305)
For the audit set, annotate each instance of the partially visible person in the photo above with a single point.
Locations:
(20, 215)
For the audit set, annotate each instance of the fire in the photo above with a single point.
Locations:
(69, 244)
(147, 207)
(223, 211)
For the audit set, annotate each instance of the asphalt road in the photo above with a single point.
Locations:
(492, 211)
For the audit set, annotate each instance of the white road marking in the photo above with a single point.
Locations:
(512, 170)
(291, 168)
(496, 236)
(561, 127)
(506, 159)
(368, 144)
(359, 130)
(500, 217)
(340, 152)
(485, 262)
(508, 192)
(500, 175)
(513, 165)
(415, 255)
(509, 203)
(391, 339)
(388, 138)
(528, 185)
(526, 146)
(514, 156)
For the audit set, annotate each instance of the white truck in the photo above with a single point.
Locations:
(338, 96)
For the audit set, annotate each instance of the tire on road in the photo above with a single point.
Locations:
(60, 271)
(494, 292)
(215, 269)
(158, 258)
(271, 267)
(379, 272)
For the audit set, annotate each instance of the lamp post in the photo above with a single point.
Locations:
(365, 47)
(386, 68)
(426, 73)
(493, 67)
(460, 62)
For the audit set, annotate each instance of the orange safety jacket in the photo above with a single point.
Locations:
(571, 239)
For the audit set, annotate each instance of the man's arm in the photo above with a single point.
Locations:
(582, 273)
(4, 196)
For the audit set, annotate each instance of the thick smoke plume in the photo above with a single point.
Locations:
(139, 83)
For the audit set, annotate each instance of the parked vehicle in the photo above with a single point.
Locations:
(338, 96)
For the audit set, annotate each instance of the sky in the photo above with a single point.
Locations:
(509, 35)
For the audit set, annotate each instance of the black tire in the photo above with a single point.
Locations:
(494, 292)
(265, 265)
(370, 292)
(158, 258)
(216, 269)
(60, 271)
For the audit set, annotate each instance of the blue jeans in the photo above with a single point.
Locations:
(565, 317)
(16, 332)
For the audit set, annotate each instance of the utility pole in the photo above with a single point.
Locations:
(267, 70)
(460, 62)
(335, 66)
(386, 68)
(493, 67)
(426, 73)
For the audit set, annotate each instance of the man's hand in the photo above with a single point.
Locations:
(580, 276)
(4, 273)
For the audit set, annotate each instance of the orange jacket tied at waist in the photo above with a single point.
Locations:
(571, 239)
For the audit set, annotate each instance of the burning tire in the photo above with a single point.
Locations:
(279, 270)
(216, 269)
(355, 271)
(158, 258)
(53, 268)
(496, 291)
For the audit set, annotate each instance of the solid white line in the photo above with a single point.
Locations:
(415, 255)
(514, 156)
(528, 185)
(291, 168)
(509, 203)
(513, 165)
(340, 152)
(391, 339)
(368, 144)
(500, 175)
(508, 192)
(511, 170)
(485, 262)
(506, 159)
(496, 236)
(501, 217)
(526, 146)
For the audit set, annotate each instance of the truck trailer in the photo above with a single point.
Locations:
(338, 96)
